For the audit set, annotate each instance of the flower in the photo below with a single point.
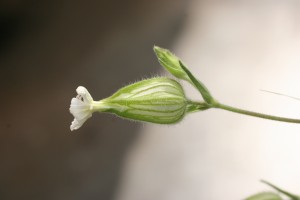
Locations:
(81, 107)
(158, 100)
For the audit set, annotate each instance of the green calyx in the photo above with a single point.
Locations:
(158, 100)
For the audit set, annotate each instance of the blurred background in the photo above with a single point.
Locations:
(237, 48)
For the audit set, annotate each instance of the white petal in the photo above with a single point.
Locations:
(75, 102)
(84, 93)
(80, 108)
(75, 125)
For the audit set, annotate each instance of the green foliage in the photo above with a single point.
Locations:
(288, 194)
(273, 195)
(265, 196)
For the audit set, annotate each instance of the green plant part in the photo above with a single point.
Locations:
(265, 196)
(288, 194)
(170, 62)
(157, 100)
(208, 98)
(175, 66)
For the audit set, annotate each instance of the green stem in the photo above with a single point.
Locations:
(194, 106)
(255, 114)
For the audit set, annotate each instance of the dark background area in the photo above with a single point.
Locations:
(47, 49)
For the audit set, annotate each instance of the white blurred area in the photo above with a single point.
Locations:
(236, 48)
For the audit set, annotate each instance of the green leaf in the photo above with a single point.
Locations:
(292, 196)
(265, 196)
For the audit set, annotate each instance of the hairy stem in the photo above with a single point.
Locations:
(255, 114)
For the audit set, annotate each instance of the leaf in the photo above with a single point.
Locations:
(292, 196)
(265, 196)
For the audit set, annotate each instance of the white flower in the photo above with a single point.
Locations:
(157, 100)
(81, 107)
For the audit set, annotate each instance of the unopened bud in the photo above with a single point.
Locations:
(175, 66)
(170, 62)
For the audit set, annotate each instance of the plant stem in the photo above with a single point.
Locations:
(255, 114)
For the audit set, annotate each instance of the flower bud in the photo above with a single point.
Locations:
(174, 65)
(170, 62)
